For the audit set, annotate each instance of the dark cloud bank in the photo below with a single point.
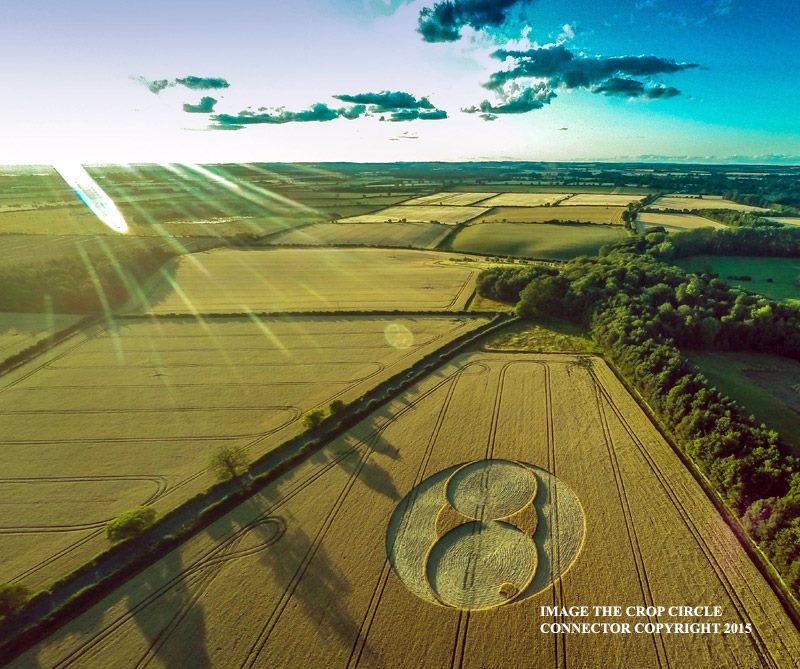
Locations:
(556, 67)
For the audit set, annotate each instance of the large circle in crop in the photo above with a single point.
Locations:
(458, 539)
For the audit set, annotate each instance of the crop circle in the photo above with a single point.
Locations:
(484, 534)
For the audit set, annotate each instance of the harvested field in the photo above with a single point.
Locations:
(318, 569)
(601, 200)
(766, 386)
(417, 235)
(21, 331)
(434, 213)
(110, 419)
(546, 241)
(675, 222)
(524, 199)
(608, 215)
(688, 202)
(450, 199)
(278, 280)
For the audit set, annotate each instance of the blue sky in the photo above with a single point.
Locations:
(723, 85)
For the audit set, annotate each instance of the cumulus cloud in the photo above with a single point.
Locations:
(524, 100)
(319, 112)
(531, 77)
(191, 82)
(205, 106)
(396, 106)
(444, 21)
(564, 68)
(387, 100)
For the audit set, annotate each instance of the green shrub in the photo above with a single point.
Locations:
(130, 524)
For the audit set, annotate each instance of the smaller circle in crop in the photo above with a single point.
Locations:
(491, 489)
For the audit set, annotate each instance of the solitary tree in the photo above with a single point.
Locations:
(336, 407)
(229, 462)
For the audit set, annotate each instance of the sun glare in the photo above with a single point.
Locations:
(92, 195)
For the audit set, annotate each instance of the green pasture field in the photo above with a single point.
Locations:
(784, 272)
(546, 241)
(766, 386)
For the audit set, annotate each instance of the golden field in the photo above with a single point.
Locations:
(578, 214)
(524, 199)
(417, 235)
(450, 199)
(432, 213)
(675, 222)
(601, 200)
(582, 503)
(113, 418)
(689, 202)
(281, 279)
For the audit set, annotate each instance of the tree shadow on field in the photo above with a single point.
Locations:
(174, 606)
(369, 471)
(305, 576)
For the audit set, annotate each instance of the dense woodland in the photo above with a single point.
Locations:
(641, 310)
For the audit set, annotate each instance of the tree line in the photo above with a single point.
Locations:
(641, 311)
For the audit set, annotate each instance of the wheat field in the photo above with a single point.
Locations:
(386, 537)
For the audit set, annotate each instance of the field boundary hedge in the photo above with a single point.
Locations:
(44, 345)
(75, 593)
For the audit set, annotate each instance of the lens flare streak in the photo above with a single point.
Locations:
(92, 195)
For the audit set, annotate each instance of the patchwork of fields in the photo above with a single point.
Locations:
(115, 418)
(278, 280)
(318, 569)
(432, 532)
